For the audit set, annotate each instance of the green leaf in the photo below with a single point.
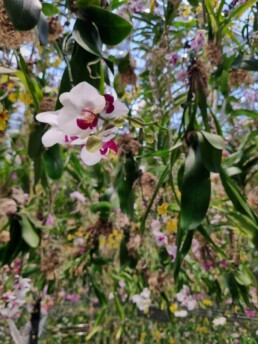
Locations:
(244, 276)
(126, 176)
(112, 28)
(196, 189)
(42, 27)
(87, 36)
(13, 248)
(24, 14)
(232, 286)
(214, 20)
(35, 150)
(244, 112)
(251, 64)
(211, 157)
(235, 195)
(237, 12)
(183, 252)
(100, 294)
(215, 140)
(53, 162)
(29, 234)
(119, 308)
(49, 10)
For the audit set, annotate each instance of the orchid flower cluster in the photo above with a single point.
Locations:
(162, 240)
(142, 300)
(85, 120)
(14, 302)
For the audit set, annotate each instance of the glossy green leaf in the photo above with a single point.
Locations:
(87, 36)
(244, 112)
(29, 234)
(126, 176)
(112, 28)
(49, 10)
(215, 140)
(235, 195)
(42, 27)
(251, 64)
(211, 156)
(53, 162)
(24, 14)
(196, 189)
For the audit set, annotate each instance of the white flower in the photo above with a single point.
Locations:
(155, 226)
(54, 134)
(142, 300)
(180, 314)
(79, 116)
(85, 113)
(172, 251)
(22, 286)
(219, 321)
(92, 158)
(78, 196)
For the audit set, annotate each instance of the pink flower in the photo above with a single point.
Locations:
(172, 58)
(160, 238)
(78, 196)
(182, 75)
(249, 312)
(198, 40)
(72, 297)
(50, 221)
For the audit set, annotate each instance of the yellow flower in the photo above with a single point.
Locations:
(171, 225)
(202, 329)
(157, 335)
(69, 237)
(162, 209)
(3, 118)
(57, 62)
(143, 336)
(25, 98)
(12, 97)
(207, 302)
(172, 340)
(173, 307)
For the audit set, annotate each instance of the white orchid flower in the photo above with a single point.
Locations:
(54, 134)
(83, 113)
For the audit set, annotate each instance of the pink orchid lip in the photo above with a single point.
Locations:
(109, 103)
(85, 124)
(108, 145)
(70, 138)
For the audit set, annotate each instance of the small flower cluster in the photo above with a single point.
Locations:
(162, 239)
(142, 300)
(186, 299)
(14, 300)
(84, 120)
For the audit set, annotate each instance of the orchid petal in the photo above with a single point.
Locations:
(90, 158)
(83, 96)
(120, 110)
(53, 136)
(49, 117)
(67, 120)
